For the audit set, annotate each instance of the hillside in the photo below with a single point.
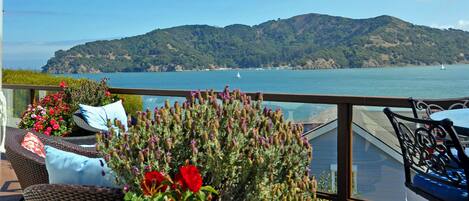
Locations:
(308, 41)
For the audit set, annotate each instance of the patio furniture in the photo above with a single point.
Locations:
(32, 174)
(459, 117)
(60, 192)
(29, 167)
(81, 123)
(433, 169)
(430, 106)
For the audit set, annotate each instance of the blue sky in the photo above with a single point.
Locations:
(35, 29)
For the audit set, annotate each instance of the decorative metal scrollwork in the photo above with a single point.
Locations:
(431, 107)
(425, 150)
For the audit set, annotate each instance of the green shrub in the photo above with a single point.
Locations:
(132, 103)
(32, 78)
(242, 150)
(88, 92)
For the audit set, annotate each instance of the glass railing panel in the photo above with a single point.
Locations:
(17, 101)
(378, 172)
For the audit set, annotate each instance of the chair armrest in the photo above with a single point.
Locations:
(59, 192)
(64, 145)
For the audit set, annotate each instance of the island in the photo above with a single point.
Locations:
(310, 41)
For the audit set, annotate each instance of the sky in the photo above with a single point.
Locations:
(35, 29)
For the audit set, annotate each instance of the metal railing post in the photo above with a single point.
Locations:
(344, 151)
(32, 96)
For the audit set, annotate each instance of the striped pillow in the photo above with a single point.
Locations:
(32, 143)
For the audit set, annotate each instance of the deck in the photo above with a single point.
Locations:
(10, 189)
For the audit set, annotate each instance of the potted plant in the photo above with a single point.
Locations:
(242, 150)
(52, 115)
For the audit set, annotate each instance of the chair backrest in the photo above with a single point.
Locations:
(30, 168)
(424, 152)
(430, 106)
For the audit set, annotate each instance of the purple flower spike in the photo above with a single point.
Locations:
(135, 170)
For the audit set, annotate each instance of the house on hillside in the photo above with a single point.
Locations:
(377, 162)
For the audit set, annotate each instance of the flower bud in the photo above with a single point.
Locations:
(166, 104)
(141, 157)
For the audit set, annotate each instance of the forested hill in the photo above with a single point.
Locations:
(307, 41)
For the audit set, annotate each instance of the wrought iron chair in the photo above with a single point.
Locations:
(430, 106)
(434, 170)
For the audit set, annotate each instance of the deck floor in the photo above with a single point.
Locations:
(10, 189)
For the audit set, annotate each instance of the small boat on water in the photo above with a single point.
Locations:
(443, 67)
(238, 75)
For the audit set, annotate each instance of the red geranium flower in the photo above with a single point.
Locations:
(62, 84)
(108, 93)
(189, 178)
(152, 183)
(55, 126)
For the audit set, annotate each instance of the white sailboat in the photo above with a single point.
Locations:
(238, 75)
(443, 67)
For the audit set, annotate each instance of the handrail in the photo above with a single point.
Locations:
(278, 97)
(344, 121)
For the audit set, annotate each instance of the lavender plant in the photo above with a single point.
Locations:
(244, 151)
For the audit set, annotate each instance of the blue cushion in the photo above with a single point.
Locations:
(70, 168)
(454, 151)
(440, 190)
(97, 117)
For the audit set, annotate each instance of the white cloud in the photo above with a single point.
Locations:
(463, 24)
(460, 24)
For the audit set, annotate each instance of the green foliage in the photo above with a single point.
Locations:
(306, 42)
(32, 78)
(132, 103)
(242, 150)
(88, 92)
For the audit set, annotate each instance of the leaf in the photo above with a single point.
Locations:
(209, 189)
(160, 197)
(186, 195)
(128, 196)
(201, 195)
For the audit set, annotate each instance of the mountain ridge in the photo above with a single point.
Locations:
(308, 41)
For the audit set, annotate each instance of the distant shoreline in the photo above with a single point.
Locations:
(243, 69)
(270, 68)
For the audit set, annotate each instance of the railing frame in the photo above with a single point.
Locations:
(344, 118)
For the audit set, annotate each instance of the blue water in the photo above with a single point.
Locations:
(422, 82)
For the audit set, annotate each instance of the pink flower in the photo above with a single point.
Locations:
(55, 126)
(47, 133)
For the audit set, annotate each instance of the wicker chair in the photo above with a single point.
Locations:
(56, 192)
(31, 170)
(430, 106)
(431, 165)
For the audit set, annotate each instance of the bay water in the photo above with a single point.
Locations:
(419, 82)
